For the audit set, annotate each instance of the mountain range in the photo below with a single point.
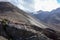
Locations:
(51, 19)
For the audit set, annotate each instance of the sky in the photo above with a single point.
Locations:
(27, 5)
(58, 1)
(36, 5)
(46, 5)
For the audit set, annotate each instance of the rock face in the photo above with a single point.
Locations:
(51, 34)
(20, 32)
(16, 34)
(14, 31)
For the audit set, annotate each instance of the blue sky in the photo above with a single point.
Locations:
(36, 5)
(58, 1)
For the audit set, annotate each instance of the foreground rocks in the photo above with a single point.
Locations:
(15, 31)
(52, 34)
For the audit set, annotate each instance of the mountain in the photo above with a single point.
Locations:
(51, 19)
(41, 15)
(11, 13)
(15, 24)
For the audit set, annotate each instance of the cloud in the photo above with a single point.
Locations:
(36, 5)
(26, 5)
(28, 1)
(46, 5)
(18, 3)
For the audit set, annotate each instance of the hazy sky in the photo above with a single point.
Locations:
(35, 5)
(46, 5)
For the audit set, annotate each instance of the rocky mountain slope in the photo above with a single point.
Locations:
(16, 24)
(15, 31)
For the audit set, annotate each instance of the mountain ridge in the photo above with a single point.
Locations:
(50, 18)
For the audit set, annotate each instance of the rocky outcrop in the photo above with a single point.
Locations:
(16, 31)
(51, 34)
(20, 32)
